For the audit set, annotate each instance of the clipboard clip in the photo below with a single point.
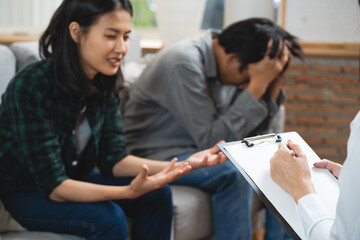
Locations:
(251, 141)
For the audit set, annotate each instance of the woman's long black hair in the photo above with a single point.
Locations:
(56, 43)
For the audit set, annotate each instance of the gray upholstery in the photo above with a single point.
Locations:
(7, 67)
(25, 53)
(192, 213)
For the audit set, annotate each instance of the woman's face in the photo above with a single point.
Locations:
(105, 44)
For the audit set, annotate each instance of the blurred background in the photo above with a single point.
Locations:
(170, 20)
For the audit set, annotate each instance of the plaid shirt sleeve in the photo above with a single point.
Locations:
(112, 144)
(38, 144)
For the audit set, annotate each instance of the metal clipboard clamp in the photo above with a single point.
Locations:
(251, 141)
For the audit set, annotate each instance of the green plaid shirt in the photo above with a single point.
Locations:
(37, 141)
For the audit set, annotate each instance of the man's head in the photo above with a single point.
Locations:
(249, 39)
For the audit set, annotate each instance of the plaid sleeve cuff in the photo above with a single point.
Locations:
(49, 185)
(106, 168)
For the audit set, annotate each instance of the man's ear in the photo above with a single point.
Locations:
(232, 59)
(75, 31)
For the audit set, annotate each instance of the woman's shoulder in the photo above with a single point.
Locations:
(38, 76)
(37, 70)
(33, 83)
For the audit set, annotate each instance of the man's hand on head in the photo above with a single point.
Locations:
(268, 70)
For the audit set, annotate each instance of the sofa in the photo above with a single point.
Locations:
(192, 209)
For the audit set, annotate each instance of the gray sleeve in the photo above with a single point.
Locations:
(277, 122)
(189, 102)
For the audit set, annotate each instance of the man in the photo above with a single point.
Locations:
(222, 86)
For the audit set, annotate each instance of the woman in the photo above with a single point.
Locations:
(60, 119)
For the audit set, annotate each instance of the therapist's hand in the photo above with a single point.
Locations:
(334, 168)
(291, 171)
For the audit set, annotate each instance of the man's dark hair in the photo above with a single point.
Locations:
(249, 40)
(56, 43)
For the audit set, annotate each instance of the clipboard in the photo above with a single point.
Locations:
(251, 156)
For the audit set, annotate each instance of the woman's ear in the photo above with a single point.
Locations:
(75, 31)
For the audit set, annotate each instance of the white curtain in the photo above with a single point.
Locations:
(26, 14)
(236, 10)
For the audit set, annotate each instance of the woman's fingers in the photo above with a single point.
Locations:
(185, 167)
(296, 148)
(322, 164)
(170, 165)
(334, 168)
(144, 172)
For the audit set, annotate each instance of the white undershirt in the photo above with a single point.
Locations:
(82, 130)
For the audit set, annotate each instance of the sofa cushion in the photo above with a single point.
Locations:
(25, 53)
(192, 213)
(7, 67)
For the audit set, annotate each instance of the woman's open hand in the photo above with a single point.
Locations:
(144, 183)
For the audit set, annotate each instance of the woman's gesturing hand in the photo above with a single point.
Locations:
(144, 183)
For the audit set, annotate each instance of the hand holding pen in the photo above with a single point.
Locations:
(289, 169)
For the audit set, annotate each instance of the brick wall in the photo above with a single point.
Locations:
(323, 96)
